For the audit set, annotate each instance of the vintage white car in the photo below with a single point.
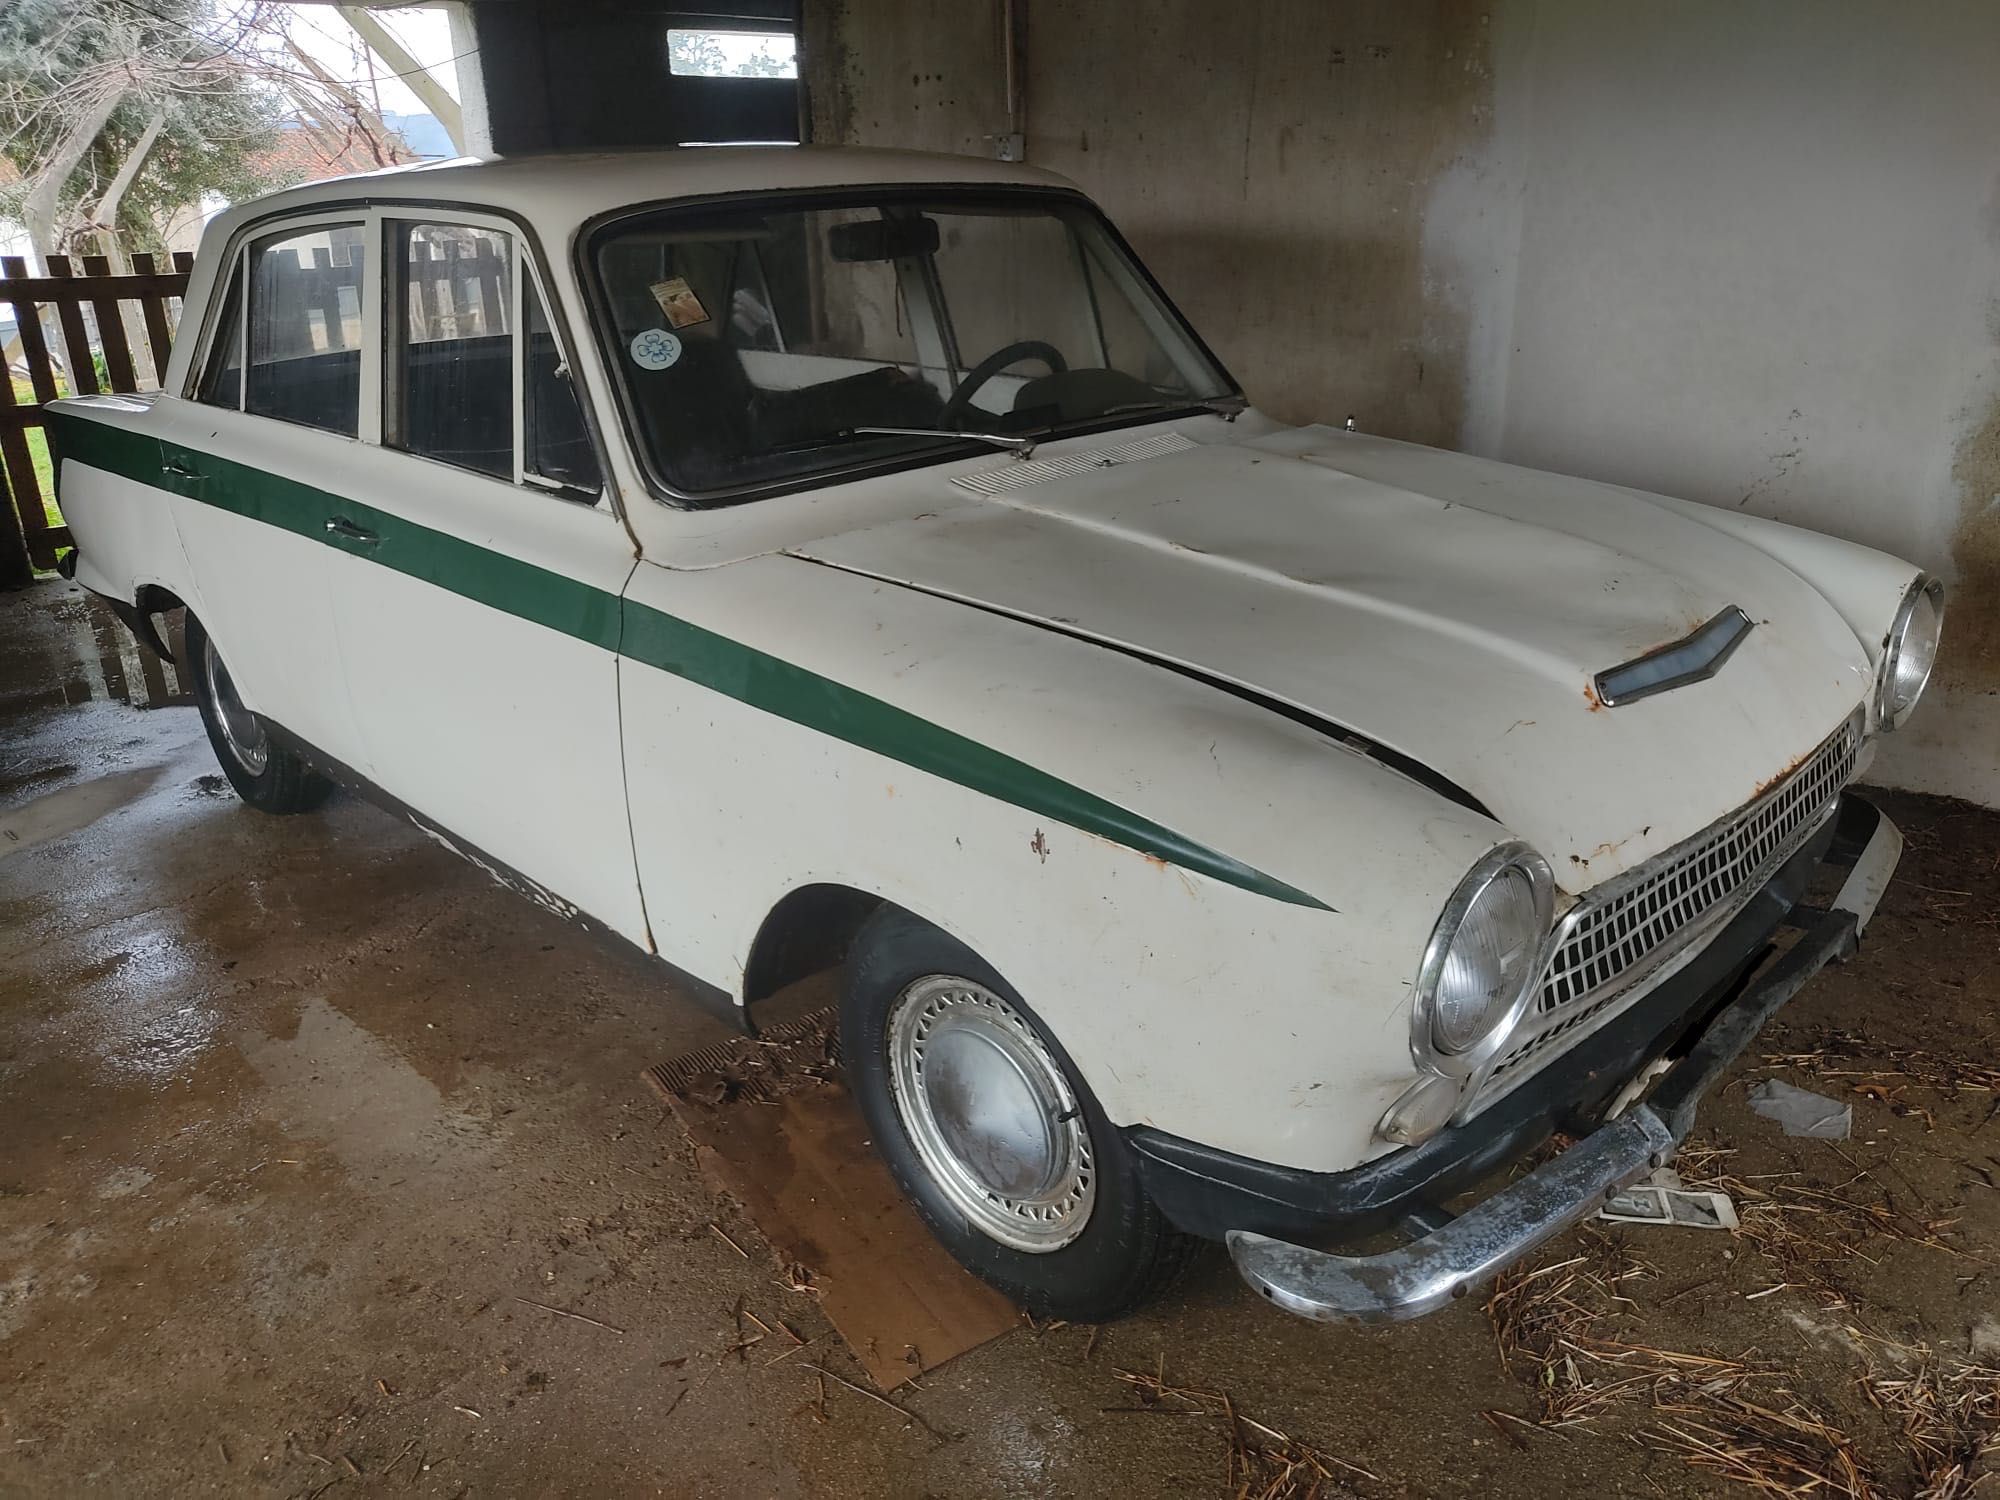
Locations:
(1231, 830)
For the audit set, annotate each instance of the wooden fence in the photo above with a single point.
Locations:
(112, 332)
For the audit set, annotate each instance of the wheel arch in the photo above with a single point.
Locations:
(149, 600)
(811, 927)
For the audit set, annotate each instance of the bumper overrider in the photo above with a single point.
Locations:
(1702, 1018)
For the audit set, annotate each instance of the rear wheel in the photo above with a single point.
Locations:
(991, 1133)
(268, 776)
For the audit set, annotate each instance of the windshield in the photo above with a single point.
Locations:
(755, 344)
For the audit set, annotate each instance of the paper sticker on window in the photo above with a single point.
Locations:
(655, 349)
(678, 301)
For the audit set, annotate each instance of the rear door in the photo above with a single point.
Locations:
(476, 574)
(275, 418)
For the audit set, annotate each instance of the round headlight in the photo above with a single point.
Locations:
(1910, 653)
(1481, 960)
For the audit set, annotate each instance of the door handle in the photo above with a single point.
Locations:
(175, 469)
(347, 531)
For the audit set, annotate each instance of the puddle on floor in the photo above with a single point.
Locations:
(54, 814)
(333, 1081)
(84, 654)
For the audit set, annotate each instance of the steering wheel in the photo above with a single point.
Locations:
(993, 364)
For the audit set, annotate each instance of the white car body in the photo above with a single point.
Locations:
(1191, 729)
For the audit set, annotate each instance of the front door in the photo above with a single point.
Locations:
(477, 575)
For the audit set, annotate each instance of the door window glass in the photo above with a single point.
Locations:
(306, 327)
(455, 360)
(556, 443)
(222, 384)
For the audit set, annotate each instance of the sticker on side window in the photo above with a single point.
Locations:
(678, 301)
(655, 349)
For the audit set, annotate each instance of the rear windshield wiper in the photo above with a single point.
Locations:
(1022, 446)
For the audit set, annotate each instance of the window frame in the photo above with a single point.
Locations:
(396, 220)
(238, 275)
(203, 366)
(598, 319)
(377, 214)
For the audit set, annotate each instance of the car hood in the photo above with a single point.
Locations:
(1451, 609)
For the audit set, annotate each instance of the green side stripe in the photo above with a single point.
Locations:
(650, 636)
(791, 692)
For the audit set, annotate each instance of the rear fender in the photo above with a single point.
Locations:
(128, 547)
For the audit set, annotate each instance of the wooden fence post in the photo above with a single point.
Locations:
(16, 567)
(27, 539)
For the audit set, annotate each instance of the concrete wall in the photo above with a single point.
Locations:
(1270, 164)
(1750, 254)
(1747, 253)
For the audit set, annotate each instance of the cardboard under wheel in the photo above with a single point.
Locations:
(774, 1127)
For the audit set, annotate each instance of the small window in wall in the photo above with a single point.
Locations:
(454, 374)
(306, 327)
(732, 54)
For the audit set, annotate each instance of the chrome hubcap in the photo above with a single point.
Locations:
(990, 1113)
(240, 728)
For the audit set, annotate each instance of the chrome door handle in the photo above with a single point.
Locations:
(347, 531)
(177, 470)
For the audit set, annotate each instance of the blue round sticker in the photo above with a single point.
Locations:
(655, 349)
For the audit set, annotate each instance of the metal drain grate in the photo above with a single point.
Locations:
(755, 1068)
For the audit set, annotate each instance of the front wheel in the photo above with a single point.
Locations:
(265, 774)
(991, 1134)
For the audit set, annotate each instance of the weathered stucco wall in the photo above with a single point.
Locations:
(1747, 254)
(1750, 254)
(1271, 164)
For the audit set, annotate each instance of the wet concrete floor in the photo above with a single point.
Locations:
(305, 1126)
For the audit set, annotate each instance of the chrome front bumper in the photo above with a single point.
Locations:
(1465, 1252)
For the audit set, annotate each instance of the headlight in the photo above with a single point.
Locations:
(1910, 653)
(1481, 960)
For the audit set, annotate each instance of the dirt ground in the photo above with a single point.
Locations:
(305, 1126)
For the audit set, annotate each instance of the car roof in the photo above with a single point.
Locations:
(558, 192)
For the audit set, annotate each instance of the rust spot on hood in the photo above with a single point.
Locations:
(1590, 696)
(1790, 766)
(1609, 846)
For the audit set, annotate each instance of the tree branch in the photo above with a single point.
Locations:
(383, 43)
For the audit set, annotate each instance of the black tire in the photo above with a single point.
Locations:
(283, 783)
(1127, 1251)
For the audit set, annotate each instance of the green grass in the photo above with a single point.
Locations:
(38, 449)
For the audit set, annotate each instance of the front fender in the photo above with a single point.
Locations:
(1864, 586)
(1214, 1009)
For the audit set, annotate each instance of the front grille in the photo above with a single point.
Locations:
(1633, 926)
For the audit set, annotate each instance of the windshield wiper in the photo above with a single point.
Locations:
(1019, 445)
(1222, 406)
(1022, 446)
